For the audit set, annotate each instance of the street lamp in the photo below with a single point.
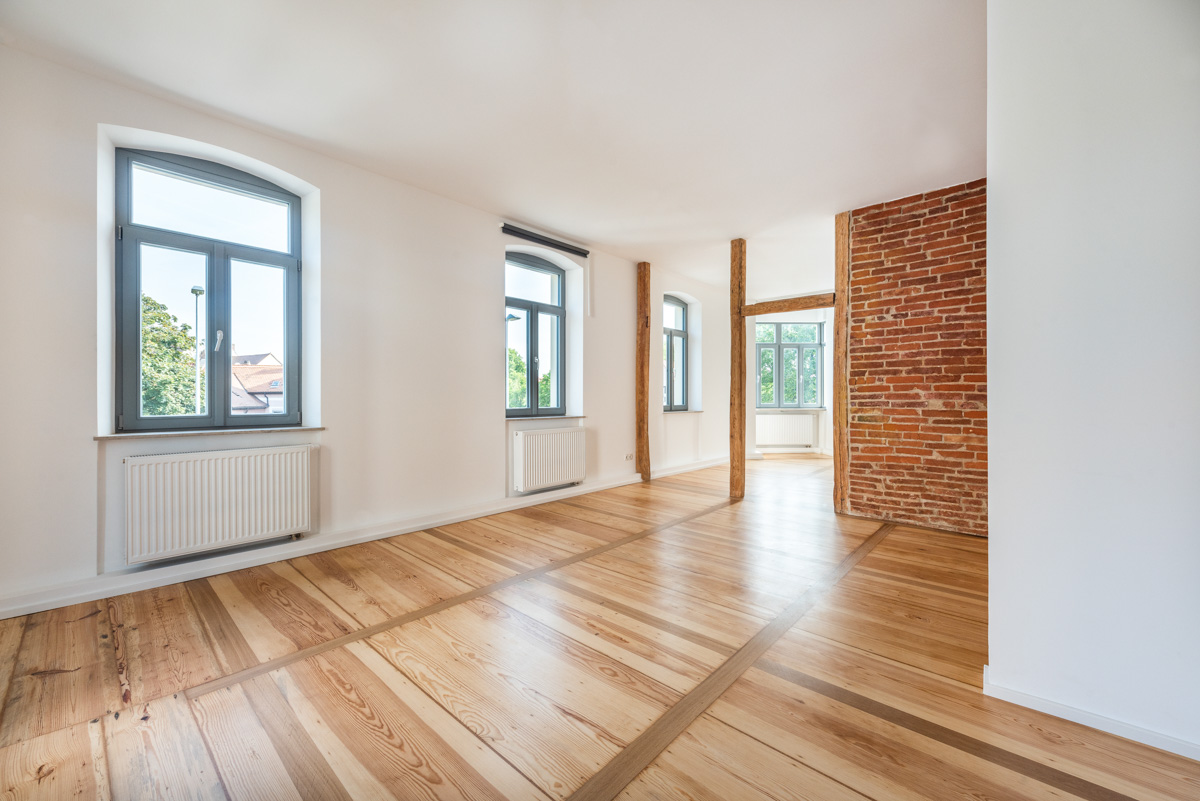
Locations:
(197, 291)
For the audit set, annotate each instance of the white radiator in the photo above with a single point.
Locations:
(786, 430)
(186, 503)
(548, 457)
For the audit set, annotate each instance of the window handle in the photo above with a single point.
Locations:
(220, 336)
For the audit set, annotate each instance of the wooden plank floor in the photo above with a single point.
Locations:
(651, 641)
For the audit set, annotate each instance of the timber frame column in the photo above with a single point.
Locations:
(642, 361)
(841, 363)
(737, 369)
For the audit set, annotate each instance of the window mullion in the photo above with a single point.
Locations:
(667, 357)
(560, 371)
(219, 393)
(776, 372)
(534, 366)
(682, 402)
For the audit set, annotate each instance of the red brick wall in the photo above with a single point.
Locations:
(918, 360)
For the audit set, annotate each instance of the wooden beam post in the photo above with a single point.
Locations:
(737, 369)
(841, 363)
(642, 382)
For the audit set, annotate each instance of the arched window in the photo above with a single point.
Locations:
(675, 354)
(535, 330)
(208, 296)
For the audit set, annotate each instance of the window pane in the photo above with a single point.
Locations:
(812, 389)
(672, 316)
(548, 361)
(791, 377)
(527, 284)
(180, 203)
(516, 337)
(799, 332)
(666, 370)
(764, 332)
(174, 302)
(256, 339)
(678, 362)
(766, 377)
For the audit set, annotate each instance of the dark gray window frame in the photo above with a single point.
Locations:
(220, 255)
(670, 402)
(778, 346)
(533, 309)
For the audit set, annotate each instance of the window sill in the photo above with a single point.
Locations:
(545, 417)
(683, 411)
(208, 432)
(813, 410)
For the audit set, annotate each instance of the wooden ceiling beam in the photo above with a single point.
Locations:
(802, 303)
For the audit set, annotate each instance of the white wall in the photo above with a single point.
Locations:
(701, 434)
(1093, 285)
(399, 267)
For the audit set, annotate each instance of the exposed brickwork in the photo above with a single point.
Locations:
(918, 359)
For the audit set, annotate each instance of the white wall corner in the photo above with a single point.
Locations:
(1099, 722)
(687, 468)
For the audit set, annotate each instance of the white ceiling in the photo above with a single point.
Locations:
(654, 129)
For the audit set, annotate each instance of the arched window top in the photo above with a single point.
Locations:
(532, 278)
(202, 198)
(674, 313)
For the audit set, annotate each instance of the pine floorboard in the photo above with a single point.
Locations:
(652, 641)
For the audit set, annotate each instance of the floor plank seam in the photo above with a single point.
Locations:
(765, 744)
(441, 705)
(13, 674)
(607, 783)
(965, 743)
(400, 620)
(659, 623)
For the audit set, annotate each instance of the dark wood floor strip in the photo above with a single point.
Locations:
(400, 620)
(607, 783)
(965, 743)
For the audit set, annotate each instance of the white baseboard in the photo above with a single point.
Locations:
(134, 579)
(687, 468)
(788, 449)
(1126, 730)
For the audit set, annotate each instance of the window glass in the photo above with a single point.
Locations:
(174, 316)
(516, 326)
(791, 377)
(672, 316)
(677, 369)
(547, 360)
(766, 377)
(162, 199)
(764, 332)
(666, 369)
(799, 332)
(529, 284)
(812, 391)
(257, 333)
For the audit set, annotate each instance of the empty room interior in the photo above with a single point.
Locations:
(568, 399)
